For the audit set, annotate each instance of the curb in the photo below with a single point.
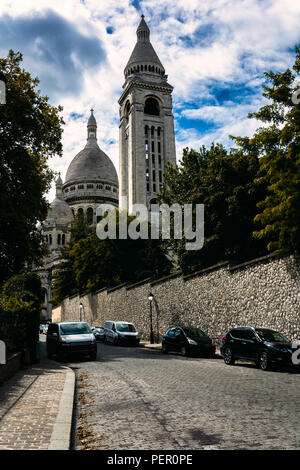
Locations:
(218, 355)
(149, 346)
(61, 435)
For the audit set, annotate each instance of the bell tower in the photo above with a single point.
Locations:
(147, 140)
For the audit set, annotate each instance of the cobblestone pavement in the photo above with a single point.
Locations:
(132, 398)
(29, 404)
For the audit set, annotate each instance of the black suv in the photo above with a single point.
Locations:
(263, 346)
(188, 340)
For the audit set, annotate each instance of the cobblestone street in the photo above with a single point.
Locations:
(141, 399)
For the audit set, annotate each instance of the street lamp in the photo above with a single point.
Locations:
(150, 297)
(80, 310)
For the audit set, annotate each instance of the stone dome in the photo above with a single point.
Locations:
(59, 212)
(91, 163)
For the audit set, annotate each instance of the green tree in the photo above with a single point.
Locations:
(278, 144)
(30, 133)
(22, 295)
(96, 263)
(224, 183)
(64, 279)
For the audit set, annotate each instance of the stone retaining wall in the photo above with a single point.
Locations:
(14, 363)
(263, 292)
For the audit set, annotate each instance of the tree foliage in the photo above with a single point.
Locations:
(88, 263)
(21, 298)
(278, 144)
(30, 133)
(224, 183)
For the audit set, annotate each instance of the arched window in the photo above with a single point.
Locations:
(90, 216)
(80, 211)
(127, 110)
(50, 239)
(63, 239)
(58, 239)
(151, 107)
(46, 238)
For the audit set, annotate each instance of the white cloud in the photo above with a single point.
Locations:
(247, 37)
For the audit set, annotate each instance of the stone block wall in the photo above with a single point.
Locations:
(263, 292)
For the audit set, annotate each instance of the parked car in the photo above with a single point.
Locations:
(121, 332)
(188, 340)
(264, 346)
(65, 338)
(98, 332)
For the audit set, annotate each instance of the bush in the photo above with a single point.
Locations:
(20, 306)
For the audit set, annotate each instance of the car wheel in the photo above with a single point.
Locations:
(265, 361)
(228, 356)
(164, 348)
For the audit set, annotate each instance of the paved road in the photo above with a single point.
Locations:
(133, 398)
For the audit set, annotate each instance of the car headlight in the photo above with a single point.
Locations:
(191, 341)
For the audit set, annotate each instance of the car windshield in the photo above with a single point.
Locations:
(98, 329)
(75, 329)
(272, 336)
(195, 333)
(125, 327)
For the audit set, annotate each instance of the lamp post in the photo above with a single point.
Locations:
(80, 310)
(150, 297)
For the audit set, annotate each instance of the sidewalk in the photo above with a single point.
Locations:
(36, 407)
(157, 347)
(147, 344)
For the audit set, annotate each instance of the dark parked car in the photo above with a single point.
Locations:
(67, 338)
(188, 340)
(264, 346)
(98, 332)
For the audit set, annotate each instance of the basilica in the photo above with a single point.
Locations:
(146, 143)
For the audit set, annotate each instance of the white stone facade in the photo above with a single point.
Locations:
(147, 140)
(147, 143)
(91, 180)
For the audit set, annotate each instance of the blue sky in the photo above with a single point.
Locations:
(214, 52)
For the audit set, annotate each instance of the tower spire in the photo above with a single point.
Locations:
(143, 32)
(59, 185)
(92, 128)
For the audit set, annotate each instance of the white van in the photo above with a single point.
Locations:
(121, 332)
